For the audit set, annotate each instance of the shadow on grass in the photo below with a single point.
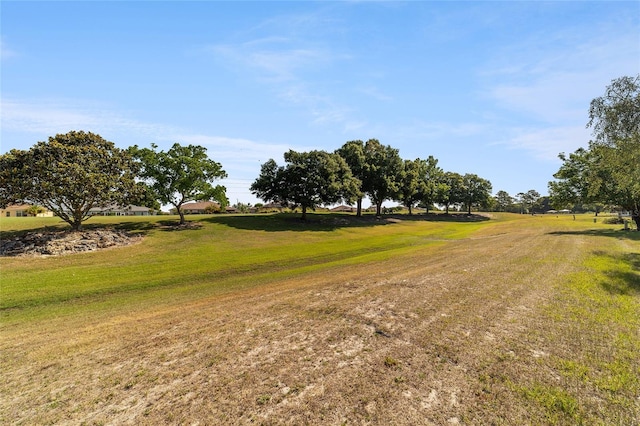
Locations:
(618, 282)
(614, 233)
(625, 283)
(328, 222)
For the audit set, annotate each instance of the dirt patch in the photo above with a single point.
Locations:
(57, 243)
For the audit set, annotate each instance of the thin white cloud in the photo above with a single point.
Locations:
(288, 54)
(36, 120)
(274, 59)
(549, 81)
(375, 93)
(441, 131)
(546, 143)
(557, 84)
(43, 118)
(5, 51)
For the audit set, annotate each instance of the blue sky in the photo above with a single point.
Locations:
(492, 88)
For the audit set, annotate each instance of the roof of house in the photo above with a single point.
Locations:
(114, 207)
(17, 207)
(343, 208)
(200, 205)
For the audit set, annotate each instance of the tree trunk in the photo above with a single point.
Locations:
(378, 208)
(635, 216)
(410, 212)
(359, 207)
(469, 212)
(304, 213)
(76, 225)
(181, 213)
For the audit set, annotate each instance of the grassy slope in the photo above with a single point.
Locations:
(515, 320)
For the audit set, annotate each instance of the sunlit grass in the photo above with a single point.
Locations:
(223, 253)
(571, 354)
(595, 341)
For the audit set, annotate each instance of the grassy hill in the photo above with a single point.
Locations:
(338, 320)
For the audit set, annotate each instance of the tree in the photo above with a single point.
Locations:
(503, 200)
(528, 200)
(475, 191)
(180, 175)
(572, 186)
(69, 174)
(450, 190)
(433, 183)
(607, 172)
(309, 179)
(413, 183)
(382, 172)
(35, 210)
(353, 153)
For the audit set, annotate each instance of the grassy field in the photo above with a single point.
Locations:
(269, 320)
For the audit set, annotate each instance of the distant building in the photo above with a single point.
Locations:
(200, 207)
(114, 210)
(343, 209)
(22, 210)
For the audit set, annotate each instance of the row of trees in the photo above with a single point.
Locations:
(608, 171)
(74, 172)
(359, 169)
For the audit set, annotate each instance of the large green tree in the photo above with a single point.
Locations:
(308, 180)
(502, 201)
(450, 190)
(382, 176)
(69, 174)
(181, 174)
(607, 172)
(413, 183)
(433, 182)
(475, 191)
(353, 153)
(528, 200)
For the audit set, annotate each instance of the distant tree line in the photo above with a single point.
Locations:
(357, 169)
(74, 172)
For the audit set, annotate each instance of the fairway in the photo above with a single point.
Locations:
(502, 319)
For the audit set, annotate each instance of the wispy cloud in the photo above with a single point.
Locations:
(36, 120)
(375, 93)
(555, 84)
(5, 51)
(44, 118)
(275, 59)
(291, 58)
(550, 82)
(546, 143)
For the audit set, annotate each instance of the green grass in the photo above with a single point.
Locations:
(595, 336)
(576, 360)
(224, 253)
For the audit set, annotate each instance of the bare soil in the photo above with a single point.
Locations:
(417, 340)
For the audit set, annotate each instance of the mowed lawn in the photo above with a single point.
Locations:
(269, 320)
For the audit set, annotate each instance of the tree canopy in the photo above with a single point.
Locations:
(450, 190)
(382, 174)
(180, 175)
(69, 174)
(475, 191)
(607, 172)
(309, 179)
(413, 183)
(353, 154)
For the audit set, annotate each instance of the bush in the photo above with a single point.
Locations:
(613, 221)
